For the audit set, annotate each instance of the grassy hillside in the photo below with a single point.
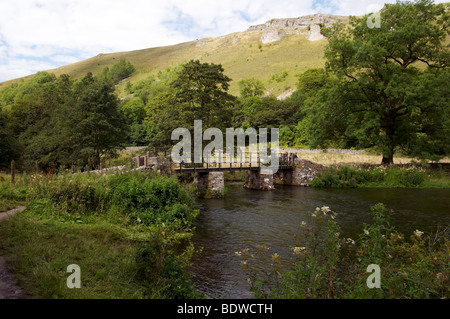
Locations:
(241, 54)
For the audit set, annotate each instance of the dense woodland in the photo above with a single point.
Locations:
(385, 89)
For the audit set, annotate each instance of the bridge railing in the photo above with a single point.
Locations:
(221, 160)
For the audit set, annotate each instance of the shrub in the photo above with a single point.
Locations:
(162, 270)
(347, 176)
(149, 199)
(154, 199)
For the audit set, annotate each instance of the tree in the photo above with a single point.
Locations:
(204, 87)
(8, 145)
(251, 87)
(135, 113)
(118, 72)
(268, 112)
(311, 81)
(392, 82)
(121, 70)
(98, 128)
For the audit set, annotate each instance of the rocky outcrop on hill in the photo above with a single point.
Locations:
(275, 29)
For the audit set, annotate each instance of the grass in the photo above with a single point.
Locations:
(124, 157)
(40, 249)
(10, 197)
(343, 157)
(129, 233)
(350, 176)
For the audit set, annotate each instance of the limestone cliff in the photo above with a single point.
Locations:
(275, 29)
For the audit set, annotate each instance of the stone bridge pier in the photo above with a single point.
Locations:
(210, 184)
(257, 180)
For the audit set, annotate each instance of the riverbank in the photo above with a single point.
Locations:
(129, 233)
(408, 176)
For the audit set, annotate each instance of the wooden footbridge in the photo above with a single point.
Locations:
(209, 176)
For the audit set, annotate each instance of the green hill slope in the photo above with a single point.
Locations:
(242, 54)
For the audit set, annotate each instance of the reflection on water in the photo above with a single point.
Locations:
(247, 218)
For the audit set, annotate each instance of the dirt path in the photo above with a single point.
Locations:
(8, 287)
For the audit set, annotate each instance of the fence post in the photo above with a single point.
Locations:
(13, 173)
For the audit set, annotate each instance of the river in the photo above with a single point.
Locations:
(248, 218)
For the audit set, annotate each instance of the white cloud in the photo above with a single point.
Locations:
(37, 33)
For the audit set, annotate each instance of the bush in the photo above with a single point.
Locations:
(149, 199)
(152, 200)
(347, 176)
(162, 270)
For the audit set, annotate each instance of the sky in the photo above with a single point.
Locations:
(38, 35)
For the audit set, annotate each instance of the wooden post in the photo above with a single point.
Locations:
(13, 173)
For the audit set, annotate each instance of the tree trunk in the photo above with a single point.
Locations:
(387, 159)
(388, 152)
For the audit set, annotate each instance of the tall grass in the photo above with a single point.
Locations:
(112, 226)
(347, 176)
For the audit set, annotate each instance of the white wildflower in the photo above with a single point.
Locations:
(366, 232)
(326, 209)
(350, 241)
(298, 250)
(418, 233)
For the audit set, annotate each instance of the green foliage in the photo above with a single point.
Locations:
(153, 201)
(267, 112)
(357, 177)
(251, 87)
(162, 269)
(100, 127)
(92, 219)
(287, 136)
(197, 92)
(148, 200)
(119, 71)
(203, 88)
(391, 85)
(62, 122)
(311, 81)
(21, 90)
(280, 77)
(8, 143)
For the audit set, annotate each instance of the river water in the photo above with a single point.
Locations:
(248, 218)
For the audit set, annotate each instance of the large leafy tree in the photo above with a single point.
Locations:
(391, 88)
(8, 145)
(98, 127)
(204, 88)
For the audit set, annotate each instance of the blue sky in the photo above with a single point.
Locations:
(37, 35)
